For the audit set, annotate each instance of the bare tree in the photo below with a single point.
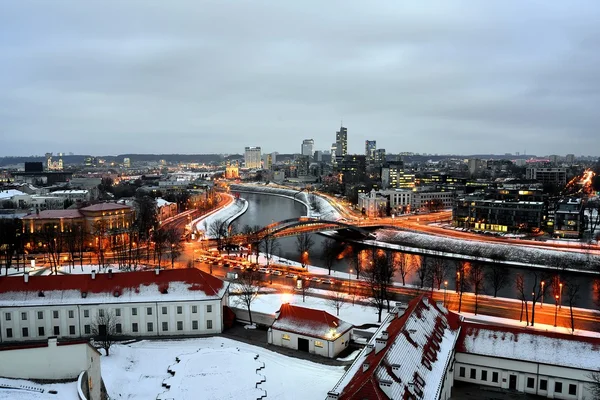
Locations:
(217, 229)
(338, 298)
(439, 270)
(498, 276)
(572, 295)
(304, 242)
(174, 244)
(330, 253)
(247, 286)
(52, 241)
(377, 277)
(462, 268)
(423, 270)
(537, 289)
(594, 215)
(403, 265)
(476, 280)
(520, 286)
(10, 237)
(100, 234)
(269, 245)
(252, 236)
(105, 329)
(305, 286)
(159, 237)
(594, 385)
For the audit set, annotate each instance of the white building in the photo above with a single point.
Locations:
(307, 147)
(55, 362)
(252, 158)
(410, 356)
(165, 209)
(73, 195)
(309, 330)
(372, 204)
(145, 303)
(401, 200)
(546, 364)
(420, 350)
(20, 199)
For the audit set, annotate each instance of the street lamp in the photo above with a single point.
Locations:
(560, 296)
(445, 287)
(457, 280)
(542, 303)
(555, 310)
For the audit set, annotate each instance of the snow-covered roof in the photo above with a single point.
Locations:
(70, 191)
(407, 356)
(142, 286)
(10, 193)
(309, 322)
(160, 202)
(534, 346)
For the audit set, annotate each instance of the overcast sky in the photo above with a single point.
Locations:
(110, 77)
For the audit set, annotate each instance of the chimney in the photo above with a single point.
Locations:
(93, 274)
(379, 344)
(157, 270)
(365, 366)
(385, 335)
(369, 348)
(52, 341)
(26, 277)
(386, 387)
(333, 395)
(110, 273)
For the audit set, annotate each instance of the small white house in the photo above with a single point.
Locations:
(313, 331)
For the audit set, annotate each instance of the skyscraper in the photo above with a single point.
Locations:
(341, 140)
(252, 157)
(307, 147)
(370, 146)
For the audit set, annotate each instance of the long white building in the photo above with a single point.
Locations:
(145, 303)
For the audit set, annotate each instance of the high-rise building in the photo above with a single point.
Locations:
(307, 147)
(370, 146)
(252, 157)
(341, 140)
(333, 152)
(570, 158)
(127, 162)
(318, 156)
(379, 156)
(267, 161)
(274, 157)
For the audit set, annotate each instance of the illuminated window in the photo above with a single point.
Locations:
(318, 343)
(285, 336)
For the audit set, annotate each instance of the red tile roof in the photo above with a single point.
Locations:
(54, 214)
(309, 322)
(365, 384)
(106, 207)
(109, 283)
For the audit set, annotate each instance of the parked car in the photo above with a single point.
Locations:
(278, 273)
(263, 270)
(315, 279)
(328, 281)
(293, 276)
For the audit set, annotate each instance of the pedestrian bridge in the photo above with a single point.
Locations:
(296, 226)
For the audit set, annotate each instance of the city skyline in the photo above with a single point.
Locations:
(503, 77)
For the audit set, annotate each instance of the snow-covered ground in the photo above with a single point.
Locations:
(19, 389)
(228, 213)
(356, 314)
(210, 369)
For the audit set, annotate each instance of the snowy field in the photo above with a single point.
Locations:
(19, 389)
(210, 369)
(356, 314)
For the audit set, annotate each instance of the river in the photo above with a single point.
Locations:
(264, 209)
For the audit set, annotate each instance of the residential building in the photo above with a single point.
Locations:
(53, 361)
(165, 209)
(372, 204)
(555, 176)
(353, 169)
(252, 158)
(170, 302)
(18, 198)
(546, 364)
(307, 147)
(267, 161)
(72, 195)
(421, 200)
(569, 218)
(570, 159)
(341, 142)
(318, 156)
(370, 146)
(309, 330)
(420, 350)
(476, 165)
(400, 200)
(302, 166)
(334, 153)
(410, 356)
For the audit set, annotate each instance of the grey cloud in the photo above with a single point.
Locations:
(212, 76)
